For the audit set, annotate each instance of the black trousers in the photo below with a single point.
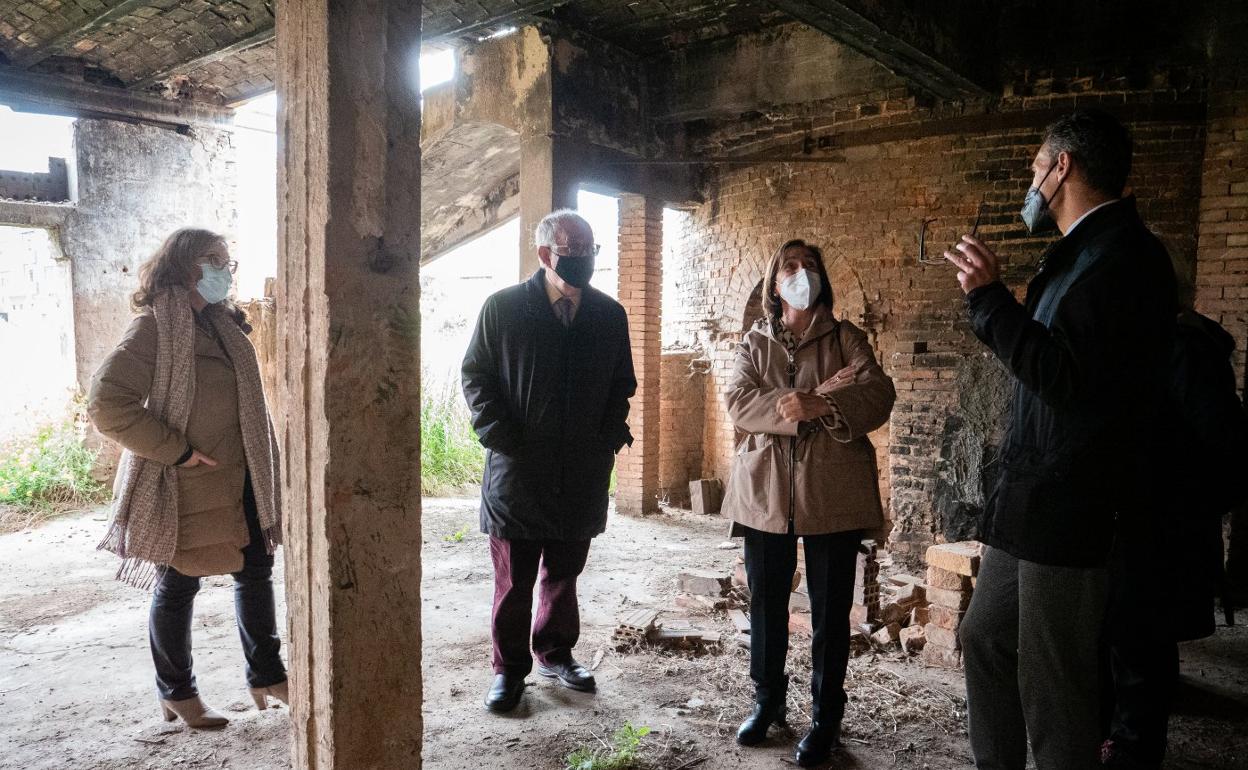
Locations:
(770, 561)
(169, 623)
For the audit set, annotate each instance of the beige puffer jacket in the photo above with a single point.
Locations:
(212, 527)
(822, 480)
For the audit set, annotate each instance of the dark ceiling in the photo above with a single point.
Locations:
(223, 50)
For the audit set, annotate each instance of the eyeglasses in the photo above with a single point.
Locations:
(923, 258)
(566, 251)
(231, 265)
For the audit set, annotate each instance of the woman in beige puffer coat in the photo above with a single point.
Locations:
(805, 392)
(198, 492)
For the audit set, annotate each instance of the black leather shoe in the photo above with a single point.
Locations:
(753, 730)
(817, 745)
(572, 675)
(505, 693)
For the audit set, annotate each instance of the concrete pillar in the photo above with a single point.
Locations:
(349, 374)
(641, 288)
(547, 182)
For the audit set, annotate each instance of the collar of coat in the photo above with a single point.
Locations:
(1117, 214)
(537, 302)
(823, 323)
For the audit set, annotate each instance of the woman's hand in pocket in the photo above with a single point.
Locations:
(198, 458)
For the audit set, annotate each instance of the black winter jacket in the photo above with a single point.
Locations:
(550, 406)
(1168, 560)
(1089, 352)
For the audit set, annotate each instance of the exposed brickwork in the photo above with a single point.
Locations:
(647, 26)
(864, 207)
(682, 410)
(1222, 254)
(240, 76)
(51, 186)
(640, 292)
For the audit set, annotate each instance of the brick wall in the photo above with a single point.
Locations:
(682, 411)
(862, 199)
(640, 292)
(1222, 254)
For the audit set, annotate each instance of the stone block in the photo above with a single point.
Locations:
(962, 558)
(945, 617)
(941, 637)
(942, 657)
(946, 580)
(919, 616)
(888, 634)
(957, 600)
(912, 638)
(703, 583)
(706, 495)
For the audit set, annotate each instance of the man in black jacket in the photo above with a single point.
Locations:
(547, 377)
(1088, 351)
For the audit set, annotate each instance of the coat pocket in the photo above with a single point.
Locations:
(750, 480)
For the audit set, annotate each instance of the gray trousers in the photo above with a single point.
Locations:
(1030, 643)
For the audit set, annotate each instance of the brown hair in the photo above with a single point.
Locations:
(771, 297)
(175, 265)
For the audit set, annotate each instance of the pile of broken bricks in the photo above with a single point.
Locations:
(951, 572)
(922, 617)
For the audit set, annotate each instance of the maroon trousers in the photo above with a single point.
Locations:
(558, 623)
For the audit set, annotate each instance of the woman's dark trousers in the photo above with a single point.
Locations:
(770, 561)
(169, 624)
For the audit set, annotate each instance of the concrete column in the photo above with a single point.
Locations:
(349, 374)
(641, 288)
(547, 182)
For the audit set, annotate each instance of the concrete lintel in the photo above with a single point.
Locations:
(50, 94)
(849, 23)
(51, 216)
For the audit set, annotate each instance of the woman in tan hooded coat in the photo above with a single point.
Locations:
(197, 492)
(805, 391)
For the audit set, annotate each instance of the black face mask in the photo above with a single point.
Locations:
(575, 271)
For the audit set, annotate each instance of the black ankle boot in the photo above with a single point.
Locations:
(753, 730)
(817, 746)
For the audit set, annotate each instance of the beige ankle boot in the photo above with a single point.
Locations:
(261, 695)
(193, 711)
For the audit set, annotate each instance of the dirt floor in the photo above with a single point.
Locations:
(76, 691)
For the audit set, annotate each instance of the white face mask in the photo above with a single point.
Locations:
(214, 286)
(800, 289)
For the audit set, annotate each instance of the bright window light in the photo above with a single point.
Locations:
(27, 140)
(437, 68)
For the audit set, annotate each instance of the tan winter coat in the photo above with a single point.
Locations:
(824, 480)
(212, 527)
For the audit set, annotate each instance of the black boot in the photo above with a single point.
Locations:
(753, 730)
(816, 747)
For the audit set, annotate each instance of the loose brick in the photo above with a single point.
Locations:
(957, 600)
(703, 583)
(944, 617)
(946, 580)
(962, 558)
(912, 639)
(942, 637)
(943, 657)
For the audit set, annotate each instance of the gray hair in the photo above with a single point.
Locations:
(554, 223)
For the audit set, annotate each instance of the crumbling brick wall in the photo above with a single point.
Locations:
(682, 410)
(863, 200)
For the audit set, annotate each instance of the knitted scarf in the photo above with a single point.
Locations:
(144, 527)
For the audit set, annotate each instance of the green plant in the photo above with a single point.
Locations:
(47, 473)
(450, 455)
(458, 535)
(620, 755)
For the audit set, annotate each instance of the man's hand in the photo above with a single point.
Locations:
(198, 458)
(798, 407)
(977, 265)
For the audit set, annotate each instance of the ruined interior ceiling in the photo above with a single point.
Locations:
(218, 51)
(469, 182)
(223, 51)
(647, 26)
